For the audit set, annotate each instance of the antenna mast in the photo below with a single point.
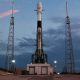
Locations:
(66, 8)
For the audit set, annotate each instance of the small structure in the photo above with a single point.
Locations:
(40, 69)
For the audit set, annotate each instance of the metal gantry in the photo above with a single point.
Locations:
(10, 61)
(69, 55)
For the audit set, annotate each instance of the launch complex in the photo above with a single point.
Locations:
(39, 64)
(39, 68)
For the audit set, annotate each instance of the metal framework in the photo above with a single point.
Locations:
(69, 56)
(10, 61)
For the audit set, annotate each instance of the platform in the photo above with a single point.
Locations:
(40, 69)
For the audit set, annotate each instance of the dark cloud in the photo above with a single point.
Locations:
(3, 48)
(63, 20)
(24, 42)
(57, 19)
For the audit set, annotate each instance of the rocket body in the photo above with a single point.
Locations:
(39, 56)
(39, 26)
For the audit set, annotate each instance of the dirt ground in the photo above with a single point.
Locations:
(55, 77)
(67, 77)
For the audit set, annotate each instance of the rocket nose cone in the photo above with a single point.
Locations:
(39, 6)
(39, 3)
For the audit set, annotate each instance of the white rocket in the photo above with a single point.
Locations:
(39, 56)
(39, 25)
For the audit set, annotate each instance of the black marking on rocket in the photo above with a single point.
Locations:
(39, 24)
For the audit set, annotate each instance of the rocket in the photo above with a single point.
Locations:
(39, 26)
(39, 56)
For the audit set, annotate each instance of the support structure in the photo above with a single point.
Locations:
(69, 56)
(10, 61)
(39, 56)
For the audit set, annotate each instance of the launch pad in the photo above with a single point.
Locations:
(40, 69)
(39, 64)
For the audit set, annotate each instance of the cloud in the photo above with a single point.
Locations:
(62, 20)
(27, 42)
(56, 19)
(8, 13)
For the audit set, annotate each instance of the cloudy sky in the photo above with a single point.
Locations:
(53, 29)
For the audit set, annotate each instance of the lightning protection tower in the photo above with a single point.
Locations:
(69, 56)
(10, 61)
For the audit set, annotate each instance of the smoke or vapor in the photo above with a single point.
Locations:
(8, 13)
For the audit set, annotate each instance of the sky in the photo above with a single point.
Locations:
(53, 19)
